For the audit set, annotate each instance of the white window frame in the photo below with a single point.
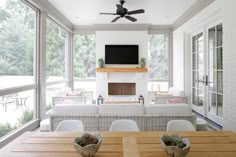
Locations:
(35, 86)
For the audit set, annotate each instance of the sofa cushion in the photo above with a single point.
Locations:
(123, 109)
(75, 108)
(168, 109)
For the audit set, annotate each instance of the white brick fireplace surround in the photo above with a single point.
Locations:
(103, 78)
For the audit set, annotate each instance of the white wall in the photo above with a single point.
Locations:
(229, 60)
(127, 38)
(178, 59)
(123, 38)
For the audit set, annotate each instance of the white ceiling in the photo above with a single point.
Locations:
(157, 12)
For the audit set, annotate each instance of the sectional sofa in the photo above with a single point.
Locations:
(99, 117)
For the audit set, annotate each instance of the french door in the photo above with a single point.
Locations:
(207, 73)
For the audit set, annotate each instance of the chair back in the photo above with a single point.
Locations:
(180, 125)
(124, 125)
(70, 126)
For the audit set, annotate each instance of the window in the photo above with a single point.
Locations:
(17, 61)
(57, 48)
(17, 38)
(158, 59)
(85, 62)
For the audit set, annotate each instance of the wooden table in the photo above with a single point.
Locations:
(126, 144)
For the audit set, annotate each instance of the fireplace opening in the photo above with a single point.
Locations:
(121, 88)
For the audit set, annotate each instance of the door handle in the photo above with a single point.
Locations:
(206, 80)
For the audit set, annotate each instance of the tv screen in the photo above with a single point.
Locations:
(121, 54)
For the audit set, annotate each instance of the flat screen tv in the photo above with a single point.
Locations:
(121, 54)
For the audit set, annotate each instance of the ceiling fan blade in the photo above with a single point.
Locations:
(115, 19)
(131, 18)
(139, 11)
(108, 13)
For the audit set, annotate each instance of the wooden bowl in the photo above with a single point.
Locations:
(89, 150)
(173, 151)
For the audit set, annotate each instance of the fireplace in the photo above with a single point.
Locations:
(121, 88)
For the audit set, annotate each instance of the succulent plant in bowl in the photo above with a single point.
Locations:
(87, 145)
(175, 146)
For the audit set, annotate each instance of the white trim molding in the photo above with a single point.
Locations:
(191, 12)
(46, 6)
(121, 27)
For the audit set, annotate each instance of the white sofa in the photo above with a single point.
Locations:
(99, 118)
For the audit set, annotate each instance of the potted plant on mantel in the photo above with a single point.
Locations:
(100, 63)
(142, 62)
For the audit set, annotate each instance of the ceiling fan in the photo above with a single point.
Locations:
(123, 12)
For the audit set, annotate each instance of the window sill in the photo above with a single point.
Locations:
(13, 135)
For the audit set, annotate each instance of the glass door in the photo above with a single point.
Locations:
(207, 74)
(198, 71)
(214, 81)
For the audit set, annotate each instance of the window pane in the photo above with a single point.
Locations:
(220, 82)
(219, 34)
(194, 60)
(84, 56)
(87, 89)
(55, 90)
(17, 44)
(212, 102)
(158, 86)
(56, 47)
(211, 37)
(212, 81)
(212, 59)
(16, 110)
(220, 105)
(219, 58)
(158, 54)
(195, 79)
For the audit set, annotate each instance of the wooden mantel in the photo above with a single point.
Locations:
(130, 70)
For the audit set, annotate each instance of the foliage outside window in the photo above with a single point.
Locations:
(17, 47)
(17, 38)
(84, 56)
(56, 50)
(85, 65)
(158, 59)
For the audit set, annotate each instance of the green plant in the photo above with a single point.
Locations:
(5, 129)
(142, 62)
(100, 62)
(173, 140)
(26, 116)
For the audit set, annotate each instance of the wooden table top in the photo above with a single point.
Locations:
(121, 144)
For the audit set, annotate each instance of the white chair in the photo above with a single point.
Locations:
(180, 125)
(70, 125)
(124, 125)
